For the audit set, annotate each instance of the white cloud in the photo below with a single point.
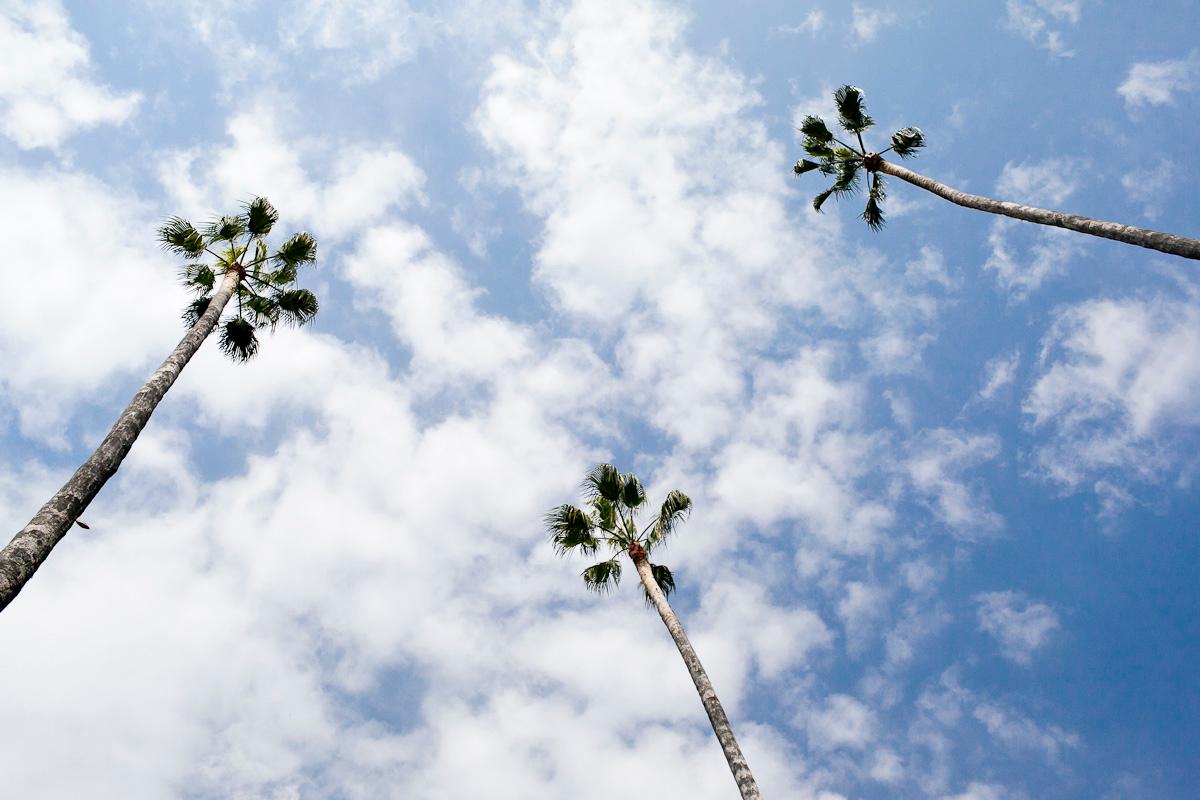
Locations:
(1021, 627)
(1017, 732)
(1156, 83)
(98, 302)
(813, 22)
(1050, 181)
(47, 92)
(843, 722)
(1150, 186)
(1034, 21)
(1118, 382)
(1046, 183)
(999, 372)
(936, 465)
(867, 22)
(336, 192)
(980, 791)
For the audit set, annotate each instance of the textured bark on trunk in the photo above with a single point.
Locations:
(29, 548)
(708, 695)
(1142, 237)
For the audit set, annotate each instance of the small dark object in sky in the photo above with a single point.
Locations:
(83, 525)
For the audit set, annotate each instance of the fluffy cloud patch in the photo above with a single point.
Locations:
(1019, 626)
(337, 192)
(1150, 186)
(93, 301)
(1118, 378)
(47, 91)
(866, 23)
(1156, 83)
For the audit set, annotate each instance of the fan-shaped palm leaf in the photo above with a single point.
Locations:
(605, 481)
(675, 509)
(297, 306)
(571, 528)
(298, 250)
(261, 216)
(852, 111)
(178, 236)
(238, 340)
(603, 576)
(907, 141)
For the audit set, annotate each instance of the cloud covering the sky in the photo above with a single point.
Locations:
(551, 236)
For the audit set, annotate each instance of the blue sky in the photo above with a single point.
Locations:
(944, 541)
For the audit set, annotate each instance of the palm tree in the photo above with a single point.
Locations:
(241, 267)
(614, 500)
(844, 162)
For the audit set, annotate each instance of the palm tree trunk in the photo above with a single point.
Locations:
(1142, 237)
(708, 695)
(33, 543)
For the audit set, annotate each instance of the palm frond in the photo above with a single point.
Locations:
(605, 481)
(298, 306)
(873, 213)
(813, 127)
(261, 216)
(804, 165)
(907, 141)
(820, 199)
(300, 249)
(674, 510)
(264, 309)
(606, 513)
(238, 340)
(226, 228)
(633, 495)
(852, 111)
(847, 177)
(194, 310)
(284, 276)
(665, 580)
(178, 236)
(603, 576)
(570, 527)
(199, 277)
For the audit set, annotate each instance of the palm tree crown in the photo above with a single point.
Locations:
(265, 291)
(609, 523)
(614, 501)
(844, 162)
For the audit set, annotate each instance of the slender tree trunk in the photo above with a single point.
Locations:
(33, 543)
(708, 695)
(1142, 237)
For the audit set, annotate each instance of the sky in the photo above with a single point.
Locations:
(944, 540)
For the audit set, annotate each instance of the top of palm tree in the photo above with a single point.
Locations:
(266, 293)
(843, 161)
(609, 522)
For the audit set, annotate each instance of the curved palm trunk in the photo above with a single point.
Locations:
(708, 695)
(30, 547)
(1142, 237)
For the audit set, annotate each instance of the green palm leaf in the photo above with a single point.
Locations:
(179, 237)
(604, 481)
(907, 141)
(297, 306)
(675, 509)
(195, 310)
(261, 216)
(238, 340)
(603, 576)
(852, 111)
(633, 495)
(804, 165)
(873, 213)
(665, 580)
(820, 199)
(298, 250)
(226, 229)
(571, 528)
